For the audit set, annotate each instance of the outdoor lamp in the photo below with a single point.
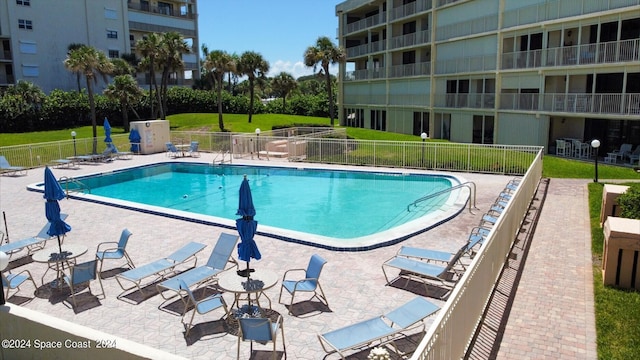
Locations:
(257, 143)
(73, 135)
(595, 143)
(4, 262)
(424, 138)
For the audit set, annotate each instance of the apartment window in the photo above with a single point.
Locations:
(30, 71)
(25, 24)
(27, 47)
(23, 2)
(114, 54)
(482, 129)
(378, 120)
(165, 8)
(112, 34)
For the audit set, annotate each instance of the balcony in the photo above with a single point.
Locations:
(168, 11)
(587, 54)
(365, 74)
(365, 23)
(417, 38)
(466, 100)
(467, 28)
(466, 64)
(364, 49)
(410, 9)
(609, 104)
(417, 69)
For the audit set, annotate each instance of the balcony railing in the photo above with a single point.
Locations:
(364, 49)
(5, 55)
(613, 104)
(160, 10)
(417, 38)
(468, 100)
(365, 23)
(410, 9)
(417, 69)
(602, 53)
(467, 27)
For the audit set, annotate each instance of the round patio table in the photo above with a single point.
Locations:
(57, 261)
(248, 289)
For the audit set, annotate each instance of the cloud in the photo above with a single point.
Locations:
(296, 69)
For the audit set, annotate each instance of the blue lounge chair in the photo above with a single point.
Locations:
(124, 155)
(105, 156)
(32, 244)
(442, 256)
(381, 329)
(218, 260)
(7, 169)
(172, 150)
(193, 149)
(309, 283)
(160, 268)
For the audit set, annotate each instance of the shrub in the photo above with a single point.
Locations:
(630, 203)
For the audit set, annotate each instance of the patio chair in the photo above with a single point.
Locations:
(382, 329)
(262, 330)
(111, 250)
(193, 149)
(634, 156)
(429, 255)
(624, 149)
(82, 274)
(12, 281)
(218, 260)
(562, 148)
(32, 244)
(310, 282)
(105, 156)
(202, 306)
(124, 155)
(7, 169)
(172, 150)
(160, 268)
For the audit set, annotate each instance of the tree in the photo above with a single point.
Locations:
(217, 64)
(24, 98)
(122, 67)
(172, 46)
(254, 66)
(91, 63)
(126, 91)
(629, 201)
(74, 46)
(149, 47)
(325, 53)
(283, 84)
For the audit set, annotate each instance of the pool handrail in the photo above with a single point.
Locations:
(467, 184)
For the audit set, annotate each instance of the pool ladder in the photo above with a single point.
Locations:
(221, 160)
(80, 186)
(469, 184)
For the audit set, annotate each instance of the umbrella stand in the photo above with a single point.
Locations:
(6, 229)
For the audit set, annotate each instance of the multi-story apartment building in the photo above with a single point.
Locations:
(493, 71)
(36, 35)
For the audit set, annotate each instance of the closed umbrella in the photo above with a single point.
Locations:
(247, 248)
(52, 193)
(134, 139)
(107, 131)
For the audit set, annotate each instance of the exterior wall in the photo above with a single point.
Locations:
(541, 69)
(36, 55)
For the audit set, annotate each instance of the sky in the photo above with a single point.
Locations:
(279, 30)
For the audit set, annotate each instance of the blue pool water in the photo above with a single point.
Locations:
(328, 203)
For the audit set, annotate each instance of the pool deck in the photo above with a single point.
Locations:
(560, 289)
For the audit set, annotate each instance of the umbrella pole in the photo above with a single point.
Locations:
(59, 245)
(6, 229)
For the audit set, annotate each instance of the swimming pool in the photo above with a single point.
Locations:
(330, 208)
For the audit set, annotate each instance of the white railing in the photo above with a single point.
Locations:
(366, 23)
(467, 27)
(410, 9)
(468, 100)
(466, 64)
(416, 38)
(609, 52)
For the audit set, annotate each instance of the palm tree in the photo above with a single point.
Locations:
(172, 47)
(74, 46)
(25, 97)
(92, 63)
(122, 67)
(149, 48)
(283, 84)
(325, 53)
(126, 91)
(217, 64)
(255, 67)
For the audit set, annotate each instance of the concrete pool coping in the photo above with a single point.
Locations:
(353, 281)
(454, 204)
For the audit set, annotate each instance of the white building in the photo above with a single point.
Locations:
(493, 71)
(36, 35)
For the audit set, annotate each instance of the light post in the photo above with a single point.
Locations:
(258, 142)
(595, 143)
(424, 138)
(73, 135)
(4, 262)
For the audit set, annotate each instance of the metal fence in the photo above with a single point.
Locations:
(317, 145)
